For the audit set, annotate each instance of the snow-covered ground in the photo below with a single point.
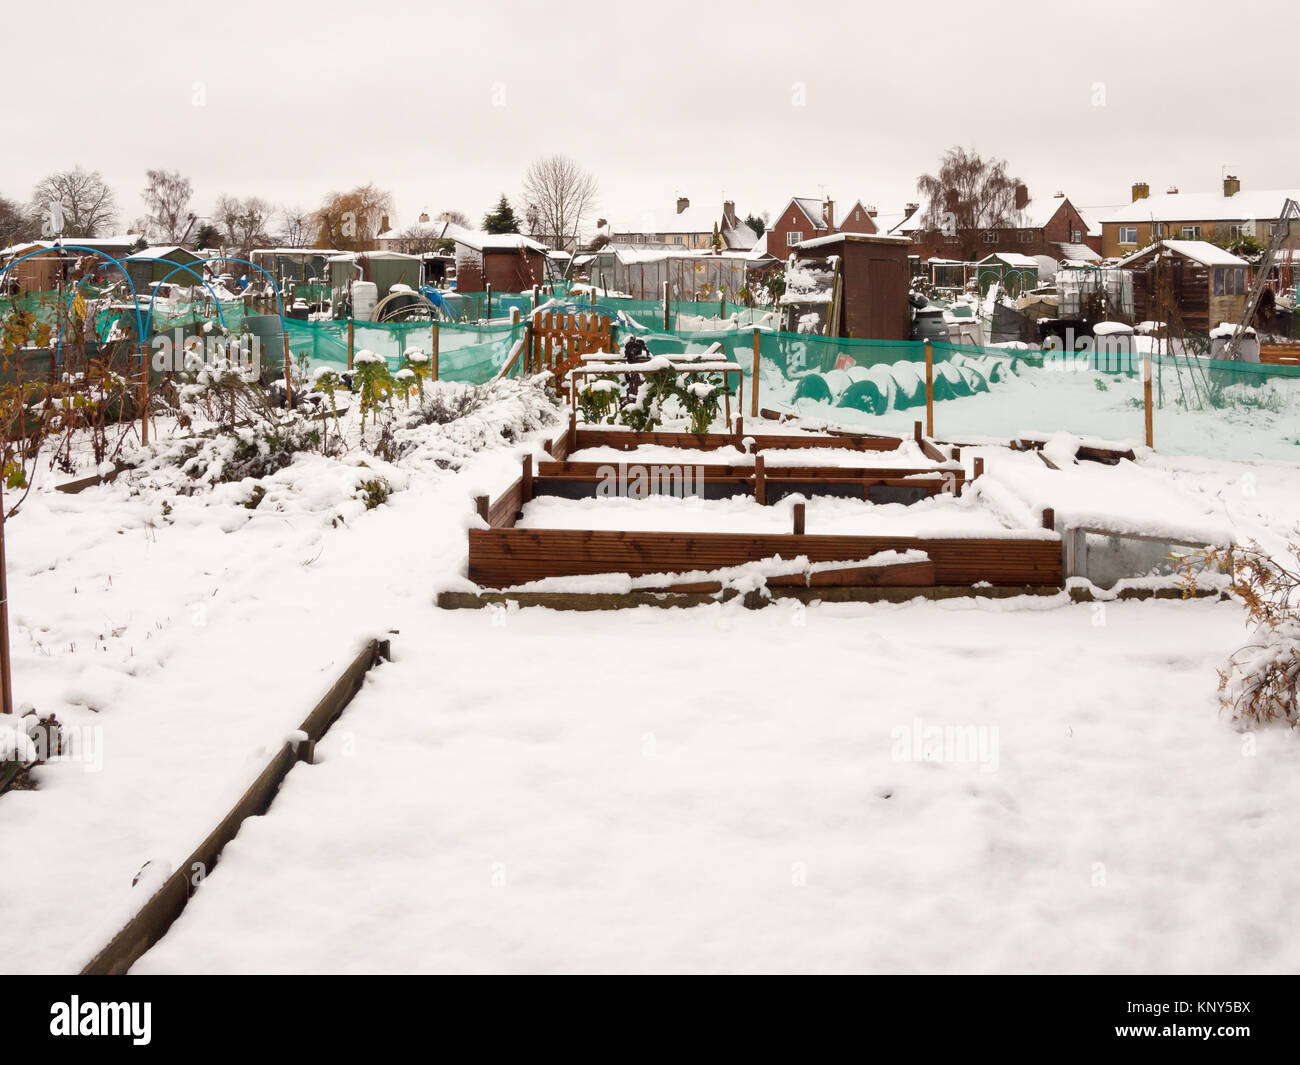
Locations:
(712, 788)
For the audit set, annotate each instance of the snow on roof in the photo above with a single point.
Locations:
(1013, 258)
(1037, 213)
(1078, 252)
(295, 251)
(813, 209)
(759, 250)
(495, 241)
(159, 253)
(1201, 251)
(1091, 216)
(1204, 207)
(94, 243)
(739, 237)
(834, 238)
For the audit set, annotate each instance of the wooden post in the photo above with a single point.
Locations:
(433, 353)
(753, 403)
(760, 482)
(1049, 519)
(929, 390)
(1146, 399)
(6, 679)
(739, 437)
(665, 306)
(514, 316)
(350, 342)
(526, 481)
(956, 454)
(722, 307)
(979, 468)
(288, 386)
(916, 431)
(144, 392)
(573, 431)
(481, 505)
(798, 519)
(487, 290)
(536, 291)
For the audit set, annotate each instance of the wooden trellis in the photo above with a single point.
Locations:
(557, 342)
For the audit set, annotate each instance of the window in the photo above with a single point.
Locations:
(990, 236)
(1229, 281)
(1076, 236)
(1128, 234)
(1161, 231)
(1191, 232)
(677, 240)
(1235, 231)
(1025, 236)
(793, 237)
(952, 238)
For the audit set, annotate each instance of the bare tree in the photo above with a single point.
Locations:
(295, 227)
(16, 223)
(968, 196)
(243, 222)
(558, 194)
(78, 199)
(167, 196)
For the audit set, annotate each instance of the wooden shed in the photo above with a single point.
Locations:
(509, 262)
(1016, 273)
(874, 278)
(155, 264)
(1193, 281)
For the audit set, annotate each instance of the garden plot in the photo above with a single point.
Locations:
(939, 516)
(907, 455)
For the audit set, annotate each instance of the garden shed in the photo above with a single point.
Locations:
(1192, 280)
(151, 265)
(870, 298)
(1016, 273)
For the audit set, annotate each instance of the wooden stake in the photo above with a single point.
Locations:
(1049, 519)
(760, 482)
(740, 432)
(288, 387)
(526, 481)
(144, 393)
(487, 289)
(1146, 399)
(798, 519)
(916, 431)
(665, 306)
(351, 344)
(481, 505)
(929, 390)
(979, 468)
(753, 404)
(573, 431)
(433, 354)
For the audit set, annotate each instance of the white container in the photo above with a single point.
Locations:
(365, 294)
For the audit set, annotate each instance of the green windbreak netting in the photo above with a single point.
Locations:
(1214, 409)
(468, 353)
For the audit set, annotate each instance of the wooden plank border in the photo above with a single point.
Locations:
(150, 924)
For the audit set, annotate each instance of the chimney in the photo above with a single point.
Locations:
(872, 210)
(729, 212)
(424, 216)
(1231, 185)
(1141, 190)
(383, 223)
(1022, 197)
(682, 204)
(1058, 195)
(1172, 190)
(909, 210)
(828, 213)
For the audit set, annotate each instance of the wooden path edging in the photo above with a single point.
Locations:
(153, 919)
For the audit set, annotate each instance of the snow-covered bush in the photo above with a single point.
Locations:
(1261, 681)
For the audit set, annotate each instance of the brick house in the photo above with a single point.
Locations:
(1052, 227)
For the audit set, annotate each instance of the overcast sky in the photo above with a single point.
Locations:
(446, 104)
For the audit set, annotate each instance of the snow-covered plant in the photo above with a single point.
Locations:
(1261, 681)
(599, 399)
(699, 401)
(415, 364)
(327, 382)
(372, 382)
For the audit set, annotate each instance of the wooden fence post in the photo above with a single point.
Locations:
(526, 481)
(487, 289)
(1049, 519)
(350, 343)
(929, 390)
(760, 482)
(1146, 398)
(481, 505)
(433, 354)
(665, 306)
(753, 404)
(798, 519)
(979, 469)
(916, 431)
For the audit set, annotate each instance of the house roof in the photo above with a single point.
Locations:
(1012, 258)
(161, 252)
(497, 241)
(1078, 252)
(813, 209)
(864, 238)
(1204, 207)
(1037, 213)
(1201, 251)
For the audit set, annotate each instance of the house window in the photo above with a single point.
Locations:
(1076, 236)
(793, 237)
(1160, 231)
(952, 238)
(1128, 234)
(1235, 231)
(1191, 232)
(1026, 236)
(990, 236)
(677, 240)
(1229, 281)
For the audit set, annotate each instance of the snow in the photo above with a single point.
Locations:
(776, 790)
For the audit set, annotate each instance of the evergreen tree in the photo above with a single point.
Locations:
(502, 219)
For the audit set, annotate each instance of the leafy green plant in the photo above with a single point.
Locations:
(599, 399)
(374, 492)
(373, 383)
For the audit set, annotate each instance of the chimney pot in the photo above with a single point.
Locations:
(828, 213)
(1141, 190)
(1231, 185)
(682, 204)
(1172, 190)
(1022, 197)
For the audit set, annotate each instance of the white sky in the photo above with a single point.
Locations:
(654, 98)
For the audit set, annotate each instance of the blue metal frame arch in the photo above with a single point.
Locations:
(92, 251)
